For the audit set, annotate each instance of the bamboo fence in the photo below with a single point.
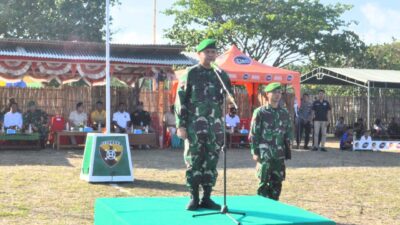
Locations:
(63, 100)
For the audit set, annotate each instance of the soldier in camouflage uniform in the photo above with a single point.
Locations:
(200, 123)
(270, 129)
(38, 120)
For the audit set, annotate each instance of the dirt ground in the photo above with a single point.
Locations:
(43, 187)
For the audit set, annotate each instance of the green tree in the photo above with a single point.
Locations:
(341, 52)
(277, 31)
(81, 20)
(384, 56)
(378, 56)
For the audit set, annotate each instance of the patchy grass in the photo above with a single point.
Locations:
(349, 187)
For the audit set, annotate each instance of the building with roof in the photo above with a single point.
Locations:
(67, 61)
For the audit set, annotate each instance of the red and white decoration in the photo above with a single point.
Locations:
(14, 68)
(66, 72)
(53, 68)
(92, 71)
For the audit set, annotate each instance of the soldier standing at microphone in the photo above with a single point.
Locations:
(200, 123)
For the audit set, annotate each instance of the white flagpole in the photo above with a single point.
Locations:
(108, 80)
(154, 22)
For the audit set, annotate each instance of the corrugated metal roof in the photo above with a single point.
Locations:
(193, 56)
(89, 51)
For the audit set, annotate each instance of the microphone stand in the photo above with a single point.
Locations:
(224, 208)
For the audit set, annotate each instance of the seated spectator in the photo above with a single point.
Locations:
(393, 129)
(141, 118)
(98, 116)
(340, 127)
(232, 120)
(378, 130)
(78, 118)
(366, 137)
(38, 121)
(121, 119)
(13, 118)
(7, 108)
(359, 128)
(170, 121)
(346, 142)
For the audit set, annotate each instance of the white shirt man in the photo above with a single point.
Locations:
(13, 119)
(232, 121)
(122, 119)
(77, 118)
(170, 122)
(365, 138)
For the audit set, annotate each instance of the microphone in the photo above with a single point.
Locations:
(218, 72)
(215, 67)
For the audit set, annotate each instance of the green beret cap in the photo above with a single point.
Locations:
(207, 43)
(272, 87)
(31, 103)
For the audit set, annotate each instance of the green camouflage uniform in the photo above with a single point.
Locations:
(198, 109)
(39, 119)
(268, 127)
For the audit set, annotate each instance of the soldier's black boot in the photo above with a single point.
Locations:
(194, 201)
(206, 201)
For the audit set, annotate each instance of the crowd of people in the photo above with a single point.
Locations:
(391, 131)
(314, 116)
(311, 116)
(36, 120)
(358, 132)
(33, 120)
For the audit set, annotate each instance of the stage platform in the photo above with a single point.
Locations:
(171, 211)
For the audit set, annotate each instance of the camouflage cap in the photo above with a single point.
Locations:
(272, 87)
(207, 43)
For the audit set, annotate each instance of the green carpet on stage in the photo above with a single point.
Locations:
(171, 211)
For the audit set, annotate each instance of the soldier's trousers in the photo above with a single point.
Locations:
(271, 173)
(201, 160)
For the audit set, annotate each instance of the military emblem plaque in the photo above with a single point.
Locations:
(107, 158)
